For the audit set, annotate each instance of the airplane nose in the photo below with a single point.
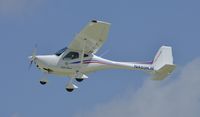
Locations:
(46, 60)
(40, 58)
(41, 61)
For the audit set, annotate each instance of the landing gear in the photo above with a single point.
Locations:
(79, 79)
(70, 86)
(80, 76)
(43, 82)
(69, 89)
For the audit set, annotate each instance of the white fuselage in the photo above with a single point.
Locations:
(57, 65)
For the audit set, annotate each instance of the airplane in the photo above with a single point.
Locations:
(78, 59)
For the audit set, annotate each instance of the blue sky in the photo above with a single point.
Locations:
(138, 29)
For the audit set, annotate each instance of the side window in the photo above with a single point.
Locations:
(71, 55)
(85, 55)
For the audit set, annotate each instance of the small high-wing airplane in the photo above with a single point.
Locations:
(79, 59)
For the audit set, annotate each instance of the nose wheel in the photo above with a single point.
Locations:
(43, 81)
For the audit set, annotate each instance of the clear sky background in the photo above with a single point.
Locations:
(139, 28)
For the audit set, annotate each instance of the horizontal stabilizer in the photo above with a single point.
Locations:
(163, 72)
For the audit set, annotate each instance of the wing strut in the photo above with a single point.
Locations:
(83, 52)
(79, 73)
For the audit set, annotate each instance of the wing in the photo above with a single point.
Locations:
(91, 38)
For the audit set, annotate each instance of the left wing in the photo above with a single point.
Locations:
(91, 38)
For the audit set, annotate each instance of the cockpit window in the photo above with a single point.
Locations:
(71, 55)
(58, 53)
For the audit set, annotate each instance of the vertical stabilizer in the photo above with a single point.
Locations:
(163, 63)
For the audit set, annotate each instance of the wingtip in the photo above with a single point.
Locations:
(98, 21)
(94, 21)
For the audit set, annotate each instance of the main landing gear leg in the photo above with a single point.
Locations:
(70, 86)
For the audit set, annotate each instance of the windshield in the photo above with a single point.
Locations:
(58, 53)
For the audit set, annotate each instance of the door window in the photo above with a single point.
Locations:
(71, 55)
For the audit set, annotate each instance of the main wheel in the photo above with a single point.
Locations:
(79, 79)
(69, 89)
(43, 82)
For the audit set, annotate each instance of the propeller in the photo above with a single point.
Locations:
(33, 56)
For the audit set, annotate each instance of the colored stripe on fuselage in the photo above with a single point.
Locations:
(89, 61)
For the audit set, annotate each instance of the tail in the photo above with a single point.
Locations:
(163, 63)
